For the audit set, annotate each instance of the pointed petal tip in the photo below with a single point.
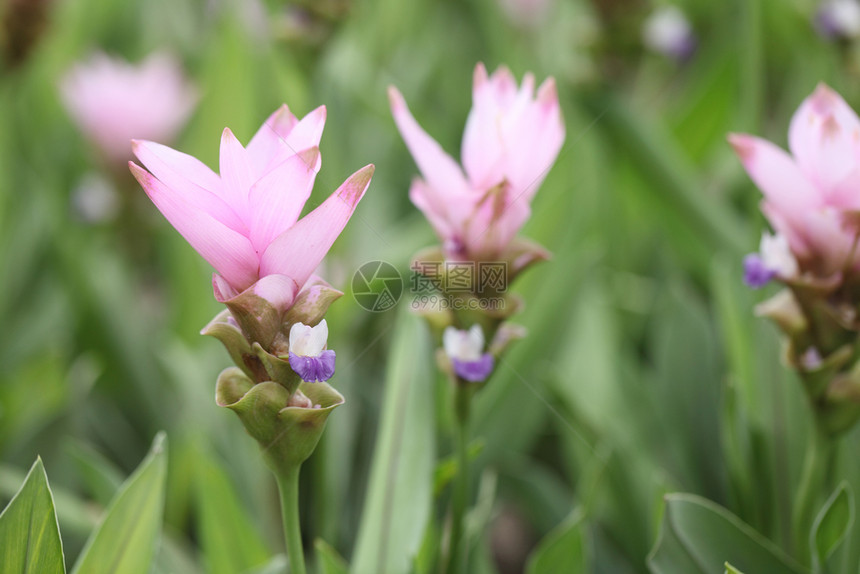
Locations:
(310, 156)
(743, 145)
(228, 134)
(353, 188)
(395, 99)
(824, 100)
(547, 93)
(479, 76)
(141, 175)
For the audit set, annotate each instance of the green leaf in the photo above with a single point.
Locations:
(330, 562)
(277, 565)
(126, 538)
(29, 533)
(401, 478)
(100, 476)
(230, 542)
(699, 536)
(732, 570)
(832, 525)
(562, 550)
(446, 469)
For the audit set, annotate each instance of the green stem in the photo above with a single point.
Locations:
(810, 493)
(460, 494)
(288, 486)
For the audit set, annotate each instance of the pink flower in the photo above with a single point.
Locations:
(245, 222)
(113, 101)
(812, 196)
(511, 140)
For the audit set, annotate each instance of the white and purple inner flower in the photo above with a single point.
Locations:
(774, 260)
(466, 351)
(309, 357)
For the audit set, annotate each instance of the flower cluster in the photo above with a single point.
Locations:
(811, 200)
(511, 140)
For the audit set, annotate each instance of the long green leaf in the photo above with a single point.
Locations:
(401, 479)
(699, 537)
(229, 540)
(126, 538)
(832, 525)
(562, 550)
(29, 534)
(330, 562)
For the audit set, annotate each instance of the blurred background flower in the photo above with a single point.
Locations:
(113, 101)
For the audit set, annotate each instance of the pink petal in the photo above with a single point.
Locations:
(534, 141)
(229, 252)
(423, 199)
(495, 223)
(222, 290)
(845, 194)
(483, 152)
(284, 135)
(278, 197)
(300, 249)
(236, 172)
(308, 131)
(269, 139)
(189, 177)
(441, 172)
(776, 174)
(279, 290)
(816, 235)
(504, 86)
(824, 137)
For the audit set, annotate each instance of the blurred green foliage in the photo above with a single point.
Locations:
(645, 371)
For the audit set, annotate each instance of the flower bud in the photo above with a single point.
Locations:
(286, 431)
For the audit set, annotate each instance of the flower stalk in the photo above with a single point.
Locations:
(457, 546)
(288, 488)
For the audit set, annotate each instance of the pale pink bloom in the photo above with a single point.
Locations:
(245, 222)
(113, 101)
(510, 142)
(812, 196)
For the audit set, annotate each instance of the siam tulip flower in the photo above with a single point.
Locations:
(245, 222)
(774, 259)
(512, 138)
(113, 101)
(668, 32)
(838, 19)
(465, 349)
(811, 199)
(810, 196)
(309, 357)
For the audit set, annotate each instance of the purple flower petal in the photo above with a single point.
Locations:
(474, 371)
(314, 369)
(756, 274)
